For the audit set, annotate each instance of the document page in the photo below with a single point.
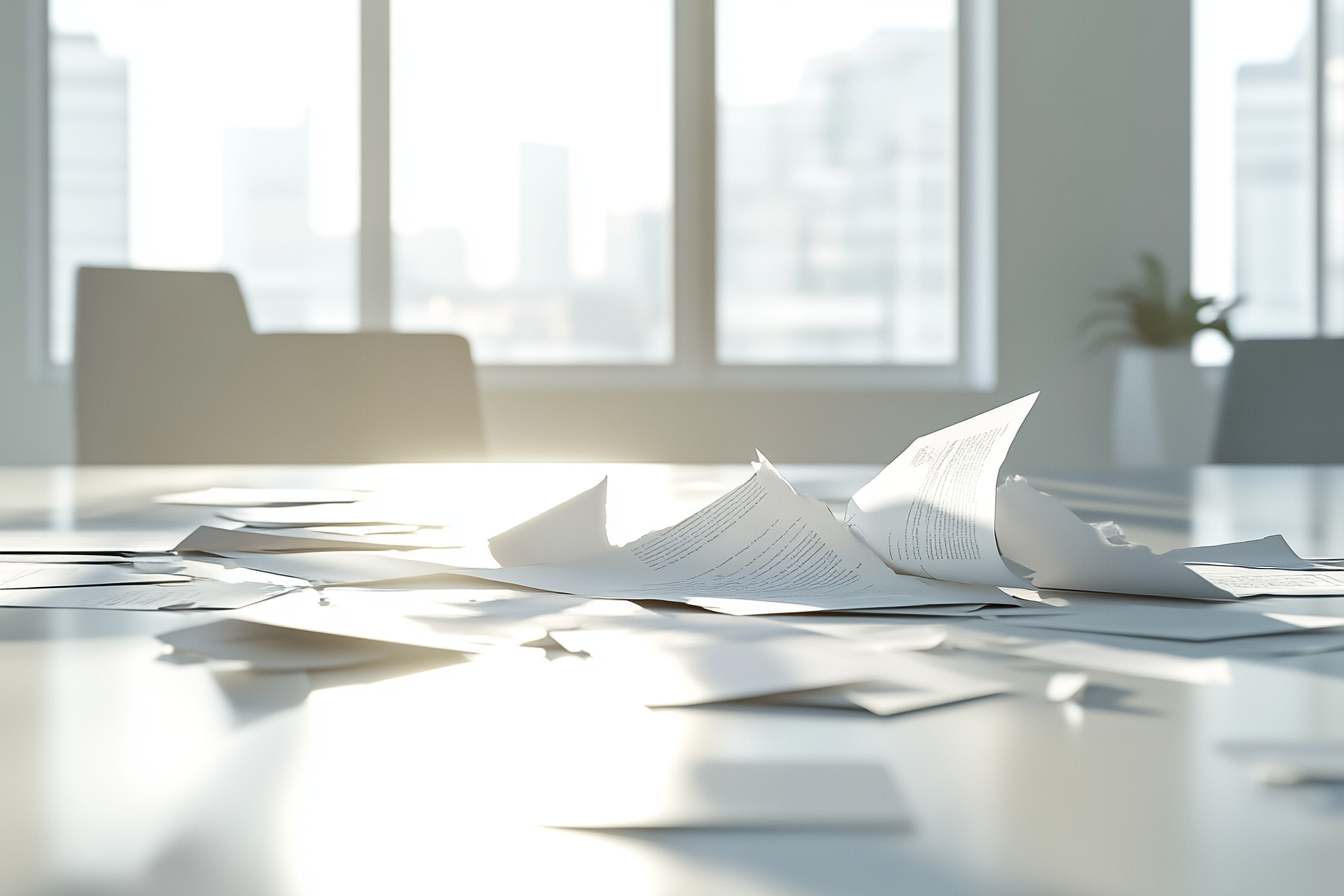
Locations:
(1063, 552)
(760, 540)
(931, 511)
(1248, 582)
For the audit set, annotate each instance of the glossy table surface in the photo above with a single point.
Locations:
(124, 774)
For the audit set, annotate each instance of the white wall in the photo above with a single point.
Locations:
(1094, 159)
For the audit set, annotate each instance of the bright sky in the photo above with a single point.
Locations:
(1228, 34)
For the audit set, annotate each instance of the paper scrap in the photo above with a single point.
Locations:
(272, 649)
(1065, 553)
(263, 497)
(569, 531)
(1176, 623)
(212, 540)
(67, 575)
(197, 595)
(659, 674)
(338, 567)
(1245, 582)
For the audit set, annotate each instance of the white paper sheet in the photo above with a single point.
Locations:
(569, 531)
(263, 497)
(470, 622)
(1040, 533)
(17, 557)
(338, 567)
(931, 511)
(1244, 582)
(196, 595)
(1139, 663)
(1272, 552)
(1180, 624)
(67, 575)
(212, 540)
(660, 672)
(761, 540)
(272, 649)
(364, 513)
(98, 541)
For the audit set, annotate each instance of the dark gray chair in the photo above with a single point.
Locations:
(168, 370)
(1283, 403)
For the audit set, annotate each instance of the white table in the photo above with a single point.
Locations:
(121, 773)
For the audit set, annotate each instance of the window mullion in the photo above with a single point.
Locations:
(375, 165)
(694, 185)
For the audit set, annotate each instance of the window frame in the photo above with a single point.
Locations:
(694, 364)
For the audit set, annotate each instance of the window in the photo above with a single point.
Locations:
(837, 173)
(532, 176)
(1268, 166)
(209, 134)
(546, 178)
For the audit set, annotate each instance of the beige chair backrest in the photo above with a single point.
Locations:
(168, 370)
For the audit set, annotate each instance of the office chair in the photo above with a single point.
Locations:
(168, 370)
(1281, 403)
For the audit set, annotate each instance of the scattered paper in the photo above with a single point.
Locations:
(1245, 582)
(94, 541)
(1272, 551)
(465, 621)
(338, 567)
(17, 557)
(68, 575)
(1139, 663)
(910, 682)
(1177, 623)
(263, 497)
(197, 595)
(271, 649)
(931, 511)
(364, 513)
(664, 673)
(212, 540)
(1063, 552)
(761, 540)
(570, 531)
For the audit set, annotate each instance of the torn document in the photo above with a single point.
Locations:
(761, 540)
(931, 511)
(1063, 552)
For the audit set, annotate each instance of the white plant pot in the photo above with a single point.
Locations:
(1164, 408)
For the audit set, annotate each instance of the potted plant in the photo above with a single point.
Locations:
(1164, 407)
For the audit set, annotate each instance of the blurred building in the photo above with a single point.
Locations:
(89, 170)
(1274, 206)
(836, 215)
